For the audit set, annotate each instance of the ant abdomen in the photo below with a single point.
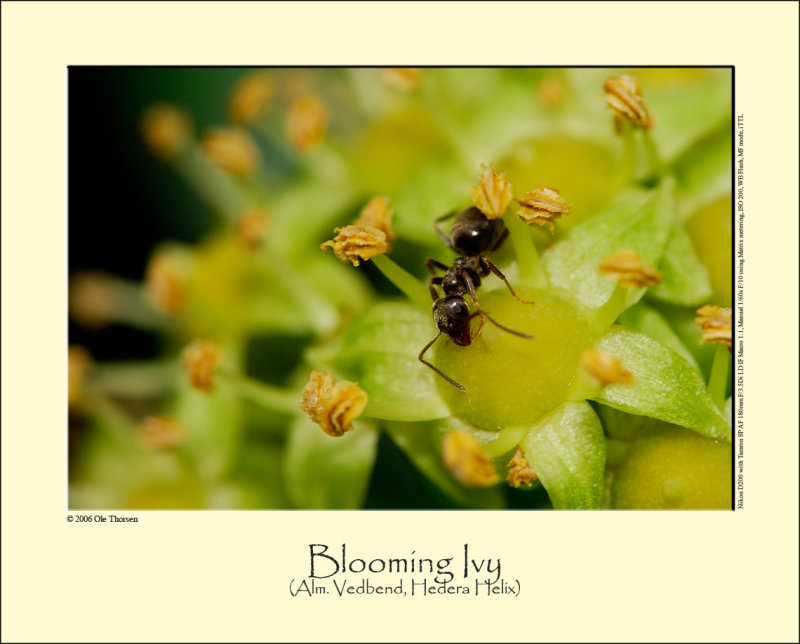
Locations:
(473, 233)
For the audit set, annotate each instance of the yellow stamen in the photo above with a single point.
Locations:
(406, 79)
(166, 129)
(605, 368)
(165, 281)
(377, 213)
(232, 150)
(79, 361)
(624, 98)
(307, 122)
(201, 359)
(466, 460)
(551, 91)
(543, 205)
(249, 97)
(332, 406)
(716, 323)
(355, 243)
(92, 299)
(627, 268)
(493, 192)
(159, 432)
(521, 474)
(251, 227)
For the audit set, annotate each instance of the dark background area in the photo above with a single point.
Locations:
(122, 201)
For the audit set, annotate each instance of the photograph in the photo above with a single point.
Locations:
(416, 288)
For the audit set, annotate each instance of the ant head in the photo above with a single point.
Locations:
(473, 233)
(452, 317)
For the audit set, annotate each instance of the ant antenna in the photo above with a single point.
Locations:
(500, 326)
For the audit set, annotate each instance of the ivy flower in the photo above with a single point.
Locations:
(534, 393)
(313, 395)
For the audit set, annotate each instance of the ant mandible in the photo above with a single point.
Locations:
(473, 236)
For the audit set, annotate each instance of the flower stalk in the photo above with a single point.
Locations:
(411, 287)
(718, 380)
(531, 271)
(275, 399)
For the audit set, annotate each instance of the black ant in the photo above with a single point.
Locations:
(473, 236)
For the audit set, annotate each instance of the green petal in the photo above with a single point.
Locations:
(421, 442)
(432, 191)
(213, 424)
(667, 387)
(639, 223)
(704, 171)
(684, 279)
(647, 320)
(684, 114)
(304, 216)
(567, 451)
(379, 352)
(322, 472)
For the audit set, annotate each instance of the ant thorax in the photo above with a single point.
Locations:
(454, 281)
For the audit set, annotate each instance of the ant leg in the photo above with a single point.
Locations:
(473, 294)
(432, 284)
(500, 326)
(452, 213)
(440, 232)
(436, 369)
(432, 265)
(486, 264)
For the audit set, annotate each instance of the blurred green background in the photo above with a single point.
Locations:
(422, 147)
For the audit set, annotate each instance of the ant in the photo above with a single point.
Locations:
(474, 237)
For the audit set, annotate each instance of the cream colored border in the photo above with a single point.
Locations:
(224, 576)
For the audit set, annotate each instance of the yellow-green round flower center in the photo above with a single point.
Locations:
(512, 380)
(676, 469)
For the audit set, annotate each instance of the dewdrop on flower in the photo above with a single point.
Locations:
(332, 406)
(466, 460)
(231, 149)
(201, 359)
(627, 268)
(543, 205)
(493, 192)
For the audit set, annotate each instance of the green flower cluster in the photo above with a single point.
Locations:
(307, 150)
